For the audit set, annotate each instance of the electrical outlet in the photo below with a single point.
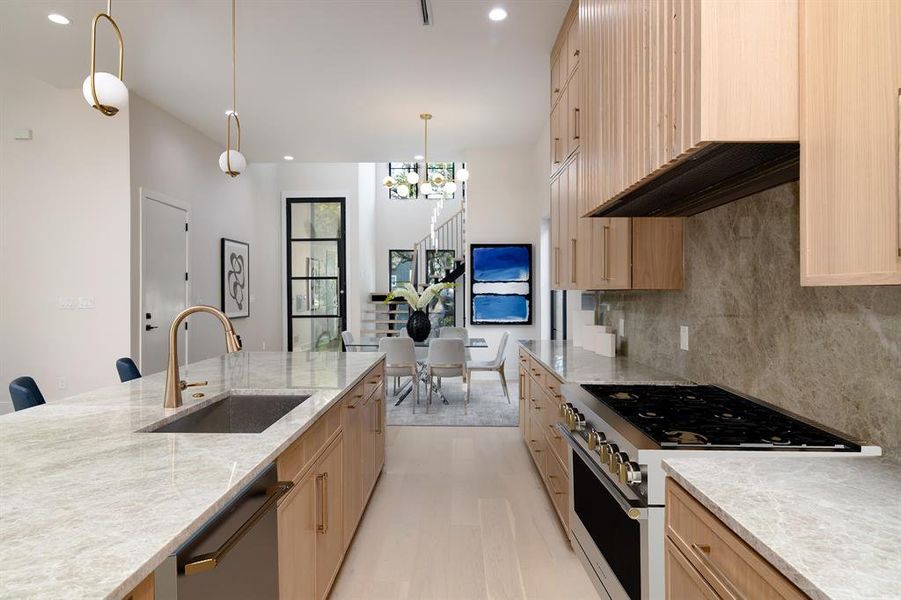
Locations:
(683, 337)
(61, 383)
(622, 328)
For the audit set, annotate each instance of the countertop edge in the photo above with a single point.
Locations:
(758, 545)
(149, 566)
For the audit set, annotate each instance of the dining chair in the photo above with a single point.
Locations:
(496, 365)
(127, 369)
(456, 332)
(400, 361)
(447, 358)
(25, 393)
(348, 338)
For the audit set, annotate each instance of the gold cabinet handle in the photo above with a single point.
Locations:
(322, 482)
(702, 551)
(606, 276)
(898, 191)
(572, 267)
(378, 408)
(556, 146)
(577, 118)
(211, 560)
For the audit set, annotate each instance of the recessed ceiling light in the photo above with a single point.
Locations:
(497, 14)
(287, 157)
(58, 19)
(419, 157)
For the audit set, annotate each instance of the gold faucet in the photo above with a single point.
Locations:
(174, 383)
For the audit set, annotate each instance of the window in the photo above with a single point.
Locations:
(400, 268)
(400, 169)
(446, 170)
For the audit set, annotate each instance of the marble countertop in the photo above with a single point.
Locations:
(89, 506)
(832, 526)
(578, 365)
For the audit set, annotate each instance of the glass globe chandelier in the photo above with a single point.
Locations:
(105, 91)
(232, 162)
(435, 184)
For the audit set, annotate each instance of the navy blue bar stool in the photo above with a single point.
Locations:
(128, 370)
(25, 393)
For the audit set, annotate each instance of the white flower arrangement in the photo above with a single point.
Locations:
(416, 300)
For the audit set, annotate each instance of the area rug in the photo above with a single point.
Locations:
(488, 406)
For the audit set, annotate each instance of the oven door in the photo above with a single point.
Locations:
(611, 530)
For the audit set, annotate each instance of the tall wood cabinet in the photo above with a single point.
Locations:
(590, 252)
(664, 78)
(850, 152)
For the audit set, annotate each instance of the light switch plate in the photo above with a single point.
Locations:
(683, 337)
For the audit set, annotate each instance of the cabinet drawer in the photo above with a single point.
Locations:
(300, 454)
(537, 371)
(538, 445)
(372, 380)
(524, 358)
(731, 567)
(552, 384)
(558, 488)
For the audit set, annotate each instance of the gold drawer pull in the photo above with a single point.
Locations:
(898, 194)
(322, 480)
(702, 551)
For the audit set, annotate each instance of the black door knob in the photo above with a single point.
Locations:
(149, 327)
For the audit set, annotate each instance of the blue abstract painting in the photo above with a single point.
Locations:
(501, 284)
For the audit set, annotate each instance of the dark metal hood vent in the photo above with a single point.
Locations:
(719, 173)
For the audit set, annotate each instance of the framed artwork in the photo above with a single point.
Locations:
(235, 278)
(500, 284)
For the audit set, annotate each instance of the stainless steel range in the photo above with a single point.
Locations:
(618, 437)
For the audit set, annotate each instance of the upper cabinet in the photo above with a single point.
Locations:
(686, 103)
(850, 129)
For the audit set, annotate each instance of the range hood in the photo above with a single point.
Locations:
(719, 173)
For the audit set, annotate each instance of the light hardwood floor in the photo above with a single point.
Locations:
(460, 512)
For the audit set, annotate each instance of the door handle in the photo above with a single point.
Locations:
(211, 560)
(150, 327)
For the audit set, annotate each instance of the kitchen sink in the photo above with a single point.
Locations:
(234, 414)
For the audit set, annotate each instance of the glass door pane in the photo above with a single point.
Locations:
(316, 273)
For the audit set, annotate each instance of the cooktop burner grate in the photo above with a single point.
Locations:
(705, 416)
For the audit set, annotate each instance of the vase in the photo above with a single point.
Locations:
(419, 326)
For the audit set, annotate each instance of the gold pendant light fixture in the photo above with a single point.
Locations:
(104, 91)
(433, 184)
(232, 162)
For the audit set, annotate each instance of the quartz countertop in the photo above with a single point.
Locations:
(831, 525)
(89, 506)
(578, 365)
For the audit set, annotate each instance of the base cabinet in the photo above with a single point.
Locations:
(334, 466)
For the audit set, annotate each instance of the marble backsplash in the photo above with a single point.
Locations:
(832, 354)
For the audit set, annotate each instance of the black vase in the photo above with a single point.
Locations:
(419, 326)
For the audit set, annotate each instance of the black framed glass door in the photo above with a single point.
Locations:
(317, 310)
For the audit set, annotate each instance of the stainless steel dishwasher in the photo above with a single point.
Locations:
(235, 554)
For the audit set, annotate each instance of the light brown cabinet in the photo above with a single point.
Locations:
(146, 590)
(706, 559)
(540, 401)
(663, 79)
(334, 466)
(850, 153)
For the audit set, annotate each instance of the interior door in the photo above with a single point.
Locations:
(164, 259)
(316, 273)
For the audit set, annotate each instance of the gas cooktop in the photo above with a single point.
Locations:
(705, 416)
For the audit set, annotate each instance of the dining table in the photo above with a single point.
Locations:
(372, 343)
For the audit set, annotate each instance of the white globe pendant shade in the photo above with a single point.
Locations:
(412, 177)
(110, 90)
(426, 188)
(403, 191)
(462, 174)
(450, 187)
(238, 162)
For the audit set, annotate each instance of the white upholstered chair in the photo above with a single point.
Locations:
(496, 365)
(447, 358)
(348, 338)
(400, 361)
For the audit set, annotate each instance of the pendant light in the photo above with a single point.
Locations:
(104, 91)
(232, 162)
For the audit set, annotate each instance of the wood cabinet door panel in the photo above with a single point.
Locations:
(682, 580)
(329, 518)
(297, 520)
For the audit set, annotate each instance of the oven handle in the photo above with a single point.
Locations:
(634, 511)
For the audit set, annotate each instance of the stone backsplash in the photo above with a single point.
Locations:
(832, 354)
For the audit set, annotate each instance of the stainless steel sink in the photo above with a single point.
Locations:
(234, 414)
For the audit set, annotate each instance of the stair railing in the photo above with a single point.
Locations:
(450, 235)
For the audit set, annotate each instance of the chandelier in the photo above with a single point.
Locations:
(105, 91)
(232, 162)
(407, 184)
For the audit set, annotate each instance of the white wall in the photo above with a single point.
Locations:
(508, 195)
(170, 157)
(64, 233)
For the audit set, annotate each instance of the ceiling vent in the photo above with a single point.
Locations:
(426, 7)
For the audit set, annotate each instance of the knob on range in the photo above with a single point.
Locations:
(617, 460)
(630, 473)
(595, 439)
(607, 451)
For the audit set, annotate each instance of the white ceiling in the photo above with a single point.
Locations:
(322, 80)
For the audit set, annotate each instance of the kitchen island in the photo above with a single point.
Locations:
(90, 505)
